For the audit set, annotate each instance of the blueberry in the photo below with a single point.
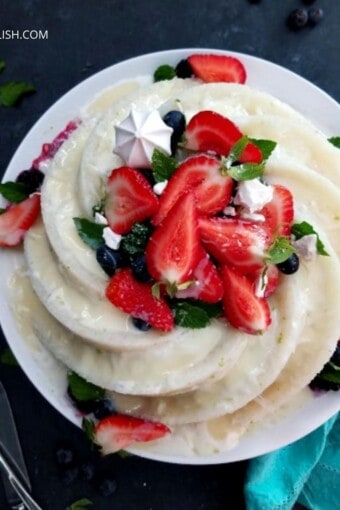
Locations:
(139, 269)
(87, 471)
(64, 456)
(176, 121)
(254, 1)
(69, 475)
(31, 179)
(297, 19)
(290, 265)
(184, 69)
(110, 260)
(140, 324)
(308, 2)
(107, 487)
(315, 15)
(104, 408)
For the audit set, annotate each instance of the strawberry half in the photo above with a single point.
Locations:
(172, 252)
(210, 131)
(129, 199)
(270, 280)
(119, 431)
(214, 68)
(242, 308)
(202, 175)
(17, 219)
(235, 242)
(279, 212)
(136, 298)
(208, 285)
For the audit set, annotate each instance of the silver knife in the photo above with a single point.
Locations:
(12, 465)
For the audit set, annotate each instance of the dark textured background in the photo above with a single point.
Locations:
(84, 36)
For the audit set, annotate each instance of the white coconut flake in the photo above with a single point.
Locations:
(100, 219)
(306, 246)
(112, 240)
(253, 195)
(229, 211)
(159, 187)
(245, 215)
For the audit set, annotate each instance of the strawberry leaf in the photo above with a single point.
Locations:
(91, 233)
(135, 241)
(11, 92)
(189, 316)
(83, 390)
(14, 192)
(265, 146)
(2, 65)
(164, 72)
(163, 166)
(279, 251)
(80, 504)
(303, 229)
(335, 140)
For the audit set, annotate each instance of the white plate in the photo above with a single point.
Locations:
(45, 373)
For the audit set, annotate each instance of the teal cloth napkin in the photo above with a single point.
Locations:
(307, 472)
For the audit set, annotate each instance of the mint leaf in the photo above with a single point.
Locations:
(213, 310)
(135, 241)
(236, 151)
(189, 316)
(80, 504)
(91, 233)
(279, 251)
(335, 140)
(303, 229)
(11, 92)
(245, 171)
(163, 166)
(7, 358)
(164, 72)
(83, 390)
(330, 373)
(123, 454)
(265, 146)
(14, 192)
(2, 65)
(88, 427)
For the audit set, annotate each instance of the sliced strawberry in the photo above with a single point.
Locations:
(242, 308)
(17, 219)
(279, 212)
(136, 298)
(208, 285)
(214, 68)
(119, 431)
(172, 252)
(202, 175)
(210, 131)
(235, 242)
(266, 278)
(129, 199)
